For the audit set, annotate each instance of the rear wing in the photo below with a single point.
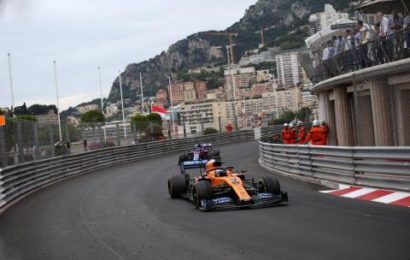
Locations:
(193, 164)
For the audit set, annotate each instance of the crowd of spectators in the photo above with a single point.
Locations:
(366, 45)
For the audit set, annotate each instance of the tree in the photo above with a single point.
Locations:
(210, 130)
(151, 124)
(286, 117)
(27, 117)
(140, 122)
(304, 114)
(93, 116)
(21, 110)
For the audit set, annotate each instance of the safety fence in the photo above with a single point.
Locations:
(18, 180)
(381, 167)
(26, 140)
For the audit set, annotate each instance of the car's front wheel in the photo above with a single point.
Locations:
(269, 184)
(202, 191)
(176, 185)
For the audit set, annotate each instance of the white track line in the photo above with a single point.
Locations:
(358, 193)
(392, 197)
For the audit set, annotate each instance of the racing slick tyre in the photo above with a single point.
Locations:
(269, 184)
(176, 185)
(202, 191)
(182, 158)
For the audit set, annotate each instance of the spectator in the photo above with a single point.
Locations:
(340, 44)
(406, 27)
(315, 135)
(370, 40)
(292, 134)
(325, 128)
(361, 44)
(329, 52)
(301, 133)
(379, 52)
(316, 59)
(286, 134)
(348, 43)
(396, 23)
(385, 32)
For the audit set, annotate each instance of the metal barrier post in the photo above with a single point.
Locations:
(3, 154)
(20, 142)
(51, 140)
(117, 132)
(36, 146)
(101, 136)
(67, 133)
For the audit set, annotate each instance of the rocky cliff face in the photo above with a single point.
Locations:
(281, 17)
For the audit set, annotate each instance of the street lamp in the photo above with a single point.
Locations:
(58, 102)
(233, 87)
(101, 95)
(122, 105)
(11, 83)
(142, 95)
(172, 106)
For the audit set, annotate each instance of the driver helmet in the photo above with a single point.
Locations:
(210, 165)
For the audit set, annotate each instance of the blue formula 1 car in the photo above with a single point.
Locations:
(198, 153)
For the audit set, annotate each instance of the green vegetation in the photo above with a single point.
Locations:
(213, 79)
(35, 109)
(150, 124)
(92, 116)
(210, 130)
(27, 117)
(267, 65)
(304, 115)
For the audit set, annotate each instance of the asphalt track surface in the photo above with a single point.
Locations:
(125, 213)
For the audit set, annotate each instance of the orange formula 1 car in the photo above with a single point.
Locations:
(221, 187)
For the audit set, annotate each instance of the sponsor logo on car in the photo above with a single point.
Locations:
(265, 195)
(222, 200)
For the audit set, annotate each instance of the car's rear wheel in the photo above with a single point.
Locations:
(269, 184)
(202, 191)
(176, 185)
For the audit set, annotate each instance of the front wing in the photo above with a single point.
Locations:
(261, 200)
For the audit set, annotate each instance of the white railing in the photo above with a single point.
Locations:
(381, 167)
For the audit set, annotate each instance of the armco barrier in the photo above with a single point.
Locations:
(381, 167)
(18, 180)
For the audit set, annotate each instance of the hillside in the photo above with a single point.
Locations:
(283, 18)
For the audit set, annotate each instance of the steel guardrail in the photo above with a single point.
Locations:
(379, 167)
(18, 180)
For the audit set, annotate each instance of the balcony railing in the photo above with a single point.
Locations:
(381, 50)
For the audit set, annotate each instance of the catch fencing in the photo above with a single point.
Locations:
(20, 179)
(381, 167)
(25, 140)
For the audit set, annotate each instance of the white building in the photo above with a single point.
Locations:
(278, 102)
(111, 109)
(319, 21)
(289, 69)
(238, 78)
(264, 56)
(199, 115)
(86, 108)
